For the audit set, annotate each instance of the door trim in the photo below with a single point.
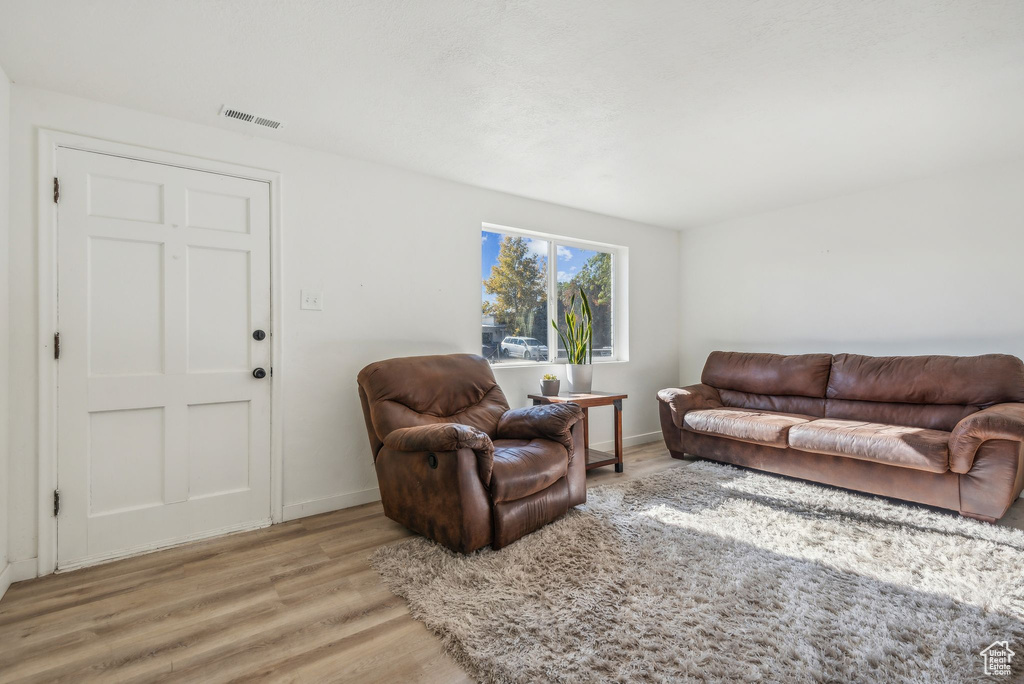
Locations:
(48, 144)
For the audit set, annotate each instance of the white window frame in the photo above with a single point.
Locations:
(620, 297)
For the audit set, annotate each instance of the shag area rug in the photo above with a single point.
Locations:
(711, 573)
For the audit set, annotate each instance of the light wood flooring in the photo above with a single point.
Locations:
(295, 602)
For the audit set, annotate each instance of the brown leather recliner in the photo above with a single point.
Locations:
(455, 464)
(947, 431)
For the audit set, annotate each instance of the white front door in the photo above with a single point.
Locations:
(163, 280)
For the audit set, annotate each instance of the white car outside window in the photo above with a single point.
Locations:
(526, 348)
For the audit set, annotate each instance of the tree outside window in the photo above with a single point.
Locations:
(515, 298)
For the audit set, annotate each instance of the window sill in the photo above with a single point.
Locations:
(551, 364)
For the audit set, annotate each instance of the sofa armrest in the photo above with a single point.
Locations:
(445, 437)
(683, 399)
(1002, 421)
(549, 421)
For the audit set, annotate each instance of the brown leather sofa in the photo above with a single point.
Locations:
(455, 464)
(940, 430)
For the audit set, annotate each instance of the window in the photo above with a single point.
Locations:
(588, 270)
(527, 279)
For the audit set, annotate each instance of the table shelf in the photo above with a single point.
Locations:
(598, 459)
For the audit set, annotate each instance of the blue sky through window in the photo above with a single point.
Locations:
(570, 260)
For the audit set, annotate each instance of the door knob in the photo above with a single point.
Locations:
(259, 335)
(259, 374)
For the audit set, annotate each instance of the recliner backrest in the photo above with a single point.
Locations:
(424, 390)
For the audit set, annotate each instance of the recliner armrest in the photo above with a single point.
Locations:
(683, 399)
(445, 437)
(1002, 421)
(549, 421)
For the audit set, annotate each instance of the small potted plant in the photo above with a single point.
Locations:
(549, 385)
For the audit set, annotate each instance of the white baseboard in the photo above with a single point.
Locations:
(339, 501)
(5, 580)
(24, 570)
(634, 440)
(330, 503)
(18, 571)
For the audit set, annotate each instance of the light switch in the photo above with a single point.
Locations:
(312, 300)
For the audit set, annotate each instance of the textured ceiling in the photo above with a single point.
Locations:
(674, 113)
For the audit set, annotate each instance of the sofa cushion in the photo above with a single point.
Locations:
(526, 466)
(802, 375)
(896, 445)
(749, 425)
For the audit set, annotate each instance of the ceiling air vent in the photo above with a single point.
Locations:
(239, 115)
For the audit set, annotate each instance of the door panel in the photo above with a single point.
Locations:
(125, 198)
(163, 432)
(218, 211)
(126, 306)
(219, 332)
(126, 445)
(218, 448)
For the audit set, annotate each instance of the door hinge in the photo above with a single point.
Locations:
(56, 345)
(56, 502)
(56, 190)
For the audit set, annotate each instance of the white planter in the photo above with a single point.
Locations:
(581, 378)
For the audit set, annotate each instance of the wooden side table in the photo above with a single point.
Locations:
(595, 458)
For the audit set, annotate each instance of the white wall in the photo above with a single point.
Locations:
(398, 257)
(935, 266)
(5, 165)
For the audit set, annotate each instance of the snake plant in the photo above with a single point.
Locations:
(579, 330)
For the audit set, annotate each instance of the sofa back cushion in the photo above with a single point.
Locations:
(933, 392)
(803, 375)
(943, 380)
